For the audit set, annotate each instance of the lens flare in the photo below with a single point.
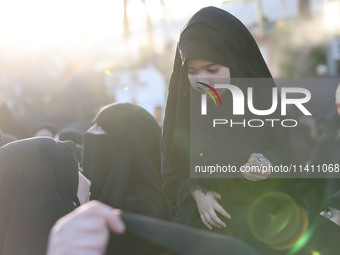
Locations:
(276, 220)
(303, 240)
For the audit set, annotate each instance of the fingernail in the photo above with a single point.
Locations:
(120, 226)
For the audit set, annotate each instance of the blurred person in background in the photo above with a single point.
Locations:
(48, 129)
(333, 118)
(10, 125)
(72, 134)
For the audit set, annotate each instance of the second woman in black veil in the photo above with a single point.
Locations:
(121, 157)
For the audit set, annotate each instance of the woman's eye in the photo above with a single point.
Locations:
(192, 72)
(213, 70)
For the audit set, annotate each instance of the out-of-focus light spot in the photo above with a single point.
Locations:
(126, 88)
(107, 72)
(331, 10)
(201, 154)
(301, 243)
(280, 23)
(316, 253)
(275, 219)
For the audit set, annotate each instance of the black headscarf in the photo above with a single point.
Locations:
(124, 164)
(215, 35)
(38, 185)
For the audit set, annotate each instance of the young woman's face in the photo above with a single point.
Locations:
(200, 70)
(84, 185)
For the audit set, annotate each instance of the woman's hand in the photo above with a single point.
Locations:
(207, 205)
(85, 231)
(257, 168)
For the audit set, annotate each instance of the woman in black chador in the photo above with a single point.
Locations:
(214, 48)
(38, 184)
(121, 157)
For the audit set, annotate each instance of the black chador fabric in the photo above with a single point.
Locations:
(312, 193)
(327, 150)
(323, 235)
(38, 185)
(215, 35)
(333, 123)
(181, 239)
(124, 164)
(324, 238)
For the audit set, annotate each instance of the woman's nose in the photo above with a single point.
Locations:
(89, 182)
(202, 82)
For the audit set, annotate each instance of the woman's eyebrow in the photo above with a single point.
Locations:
(204, 66)
(213, 64)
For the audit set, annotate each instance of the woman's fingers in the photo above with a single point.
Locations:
(112, 218)
(207, 204)
(223, 212)
(90, 224)
(257, 168)
(216, 195)
(210, 220)
(205, 222)
(216, 219)
(256, 172)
